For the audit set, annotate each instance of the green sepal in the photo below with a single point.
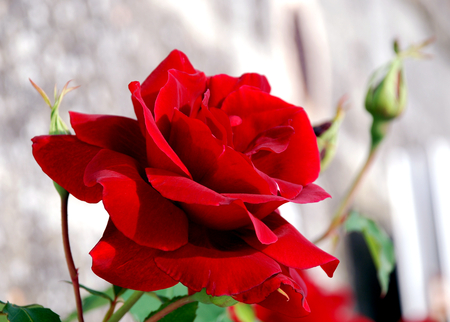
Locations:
(29, 313)
(380, 246)
(327, 139)
(221, 301)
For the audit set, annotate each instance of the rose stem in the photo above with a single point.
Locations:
(111, 309)
(69, 259)
(126, 306)
(342, 213)
(170, 308)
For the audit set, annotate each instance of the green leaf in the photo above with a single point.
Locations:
(380, 246)
(211, 313)
(29, 313)
(94, 292)
(2, 315)
(185, 313)
(118, 290)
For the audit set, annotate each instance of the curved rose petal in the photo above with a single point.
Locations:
(263, 233)
(124, 263)
(262, 291)
(267, 295)
(158, 78)
(179, 93)
(222, 85)
(136, 209)
(311, 193)
(259, 112)
(288, 189)
(64, 159)
(217, 129)
(300, 162)
(296, 306)
(292, 249)
(223, 119)
(112, 132)
(223, 217)
(275, 139)
(218, 261)
(193, 142)
(259, 205)
(182, 189)
(159, 153)
(213, 165)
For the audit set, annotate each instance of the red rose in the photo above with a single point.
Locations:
(325, 306)
(192, 186)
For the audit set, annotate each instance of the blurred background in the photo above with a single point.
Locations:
(312, 51)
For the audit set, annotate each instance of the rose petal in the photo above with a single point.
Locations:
(124, 263)
(300, 162)
(311, 193)
(136, 209)
(292, 249)
(259, 112)
(292, 303)
(263, 233)
(158, 78)
(159, 153)
(112, 132)
(262, 291)
(64, 159)
(223, 119)
(259, 205)
(182, 189)
(296, 306)
(217, 129)
(275, 139)
(218, 261)
(179, 93)
(213, 165)
(222, 85)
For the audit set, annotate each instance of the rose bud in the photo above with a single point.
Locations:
(386, 96)
(57, 125)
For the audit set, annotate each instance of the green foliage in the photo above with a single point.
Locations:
(185, 313)
(147, 303)
(28, 313)
(97, 293)
(380, 246)
(118, 290)
(211, 313)
(92, 302)
(222, 301)
(245, 312)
